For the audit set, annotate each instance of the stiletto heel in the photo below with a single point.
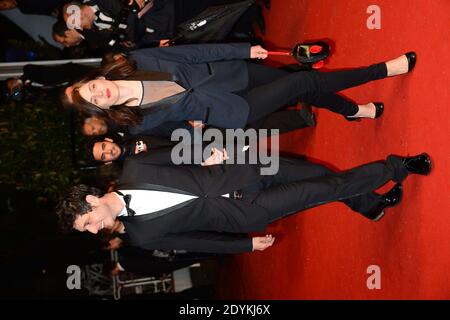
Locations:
(387, 200)
(379, 109)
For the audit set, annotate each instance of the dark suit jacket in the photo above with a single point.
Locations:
(208, 223)
(210, 73)
(160, 19)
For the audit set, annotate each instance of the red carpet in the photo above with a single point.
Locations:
(323, 253)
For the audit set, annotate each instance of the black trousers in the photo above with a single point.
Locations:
(284, 121)
(270, 89)
(300, 185)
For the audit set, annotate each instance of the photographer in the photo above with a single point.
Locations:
(42, 80)
(141, 24)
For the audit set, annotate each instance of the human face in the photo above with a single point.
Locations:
(101, 216)
(71, 38)
(94, 127)
(106, 151)
(81, 18)
(100, 92)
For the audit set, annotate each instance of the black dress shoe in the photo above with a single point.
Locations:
(412, 57)
(308, 115)
(379, 109)
(387, 200)
(420, 164)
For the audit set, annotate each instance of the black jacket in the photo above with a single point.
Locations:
(211, 75)
(159, 20)
(205, 224)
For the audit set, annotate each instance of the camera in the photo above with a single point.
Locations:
(16, 94)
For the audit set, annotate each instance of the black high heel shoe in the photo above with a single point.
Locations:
(379, 109)
(412, 58)
(420, 164)
(387, 200)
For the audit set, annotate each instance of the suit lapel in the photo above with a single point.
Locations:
(152, 187)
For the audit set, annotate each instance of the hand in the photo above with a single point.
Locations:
(164, 43)
(258, 52)
(140, 3)
(115, 243)
(262, 243)
(128, 44)
(196, 124)
(217, 157)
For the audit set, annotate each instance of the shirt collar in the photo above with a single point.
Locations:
(124, 209)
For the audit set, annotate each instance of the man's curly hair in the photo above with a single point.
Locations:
(74, 204)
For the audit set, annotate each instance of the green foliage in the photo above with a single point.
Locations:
(36, 147)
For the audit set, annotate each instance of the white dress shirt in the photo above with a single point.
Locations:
(148, 201)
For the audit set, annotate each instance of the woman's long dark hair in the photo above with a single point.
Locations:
(119, 69)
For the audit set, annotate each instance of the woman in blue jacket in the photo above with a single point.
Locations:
(215, 84)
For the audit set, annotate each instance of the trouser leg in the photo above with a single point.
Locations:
(271, 96)
(287, 198)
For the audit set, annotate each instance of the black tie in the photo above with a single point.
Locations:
(127, 199)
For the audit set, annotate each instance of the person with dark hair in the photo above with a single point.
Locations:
(105, 149)
(150, 263)
(44, 80)
(95, 42)
(94, 126)
(65, 36)
(198, 209)
(214, 84)
(148, 23)
(114, 21)
(153, 150)
(285, 120)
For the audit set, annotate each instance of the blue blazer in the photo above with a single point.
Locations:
(210, 73)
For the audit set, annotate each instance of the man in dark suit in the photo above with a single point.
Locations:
(200, 209)
(43, 80)
(113, 20)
